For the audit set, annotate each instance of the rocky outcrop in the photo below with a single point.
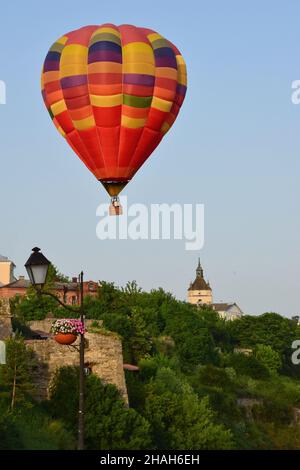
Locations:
(248, 404)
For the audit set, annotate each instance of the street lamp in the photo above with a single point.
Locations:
(37, 267)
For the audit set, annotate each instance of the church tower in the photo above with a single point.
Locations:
(199, 292)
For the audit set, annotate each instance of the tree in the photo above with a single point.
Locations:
(54, 275)
(37, 307)
(15, 376)
(33, 307)
(270, 329)
(179, 419)
(10, 437)
(140, 341)
(247, 365)
(131, 290)
(268, 357)
(108, 423)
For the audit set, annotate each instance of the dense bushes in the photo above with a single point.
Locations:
(108, 423)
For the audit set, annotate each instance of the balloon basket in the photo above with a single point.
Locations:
(115, 207)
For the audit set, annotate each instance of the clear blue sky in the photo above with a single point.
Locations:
(235, 148)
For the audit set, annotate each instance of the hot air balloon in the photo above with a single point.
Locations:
(113, 92)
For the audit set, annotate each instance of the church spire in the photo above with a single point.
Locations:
(199, 270)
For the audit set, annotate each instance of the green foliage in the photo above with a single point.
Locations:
(108, 423)
(33, 430)
(268, 329)
(269, 358)
(140, 342)
(37, 307)
(247, 365)
(212, 376)
(64, 393)
(150, 366)
(10, 437)
(55, 276)
(34, 307)
(187, 393)
(219, 384)
(15, 376)
(179, 419)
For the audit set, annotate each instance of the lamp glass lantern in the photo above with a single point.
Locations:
(37, 268)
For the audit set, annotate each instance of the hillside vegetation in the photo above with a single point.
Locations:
(194, 389)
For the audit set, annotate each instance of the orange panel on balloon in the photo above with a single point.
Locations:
(55, 97)
(81, 113)
(156, 119)
(65, 122)
(109, 141)
(92, 143)
(148, 142)
(129, 139)
(107, 117)
(76, 142)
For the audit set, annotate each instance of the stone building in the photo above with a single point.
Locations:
(228, 311)
(200, 292)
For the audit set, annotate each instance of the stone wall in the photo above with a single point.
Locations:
(5, 319)
(103, 356)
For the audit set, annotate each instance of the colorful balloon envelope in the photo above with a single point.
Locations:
(113, 92)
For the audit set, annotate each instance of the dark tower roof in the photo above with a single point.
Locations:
(4, 259)
(199, 283)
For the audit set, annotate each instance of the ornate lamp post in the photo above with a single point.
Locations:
(37, 267)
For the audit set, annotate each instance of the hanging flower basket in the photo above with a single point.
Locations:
(66, 330)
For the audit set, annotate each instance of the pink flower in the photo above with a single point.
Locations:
(68, 325)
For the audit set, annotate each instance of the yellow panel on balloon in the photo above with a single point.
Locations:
(154, 36)
(84, 124)
(138, 52)
(104, 67)
(58, 107)
(107, 30)
(146, 69)
(106, 101)
(132, 122)
(162, 105)
(74, 69)
(74, 54)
